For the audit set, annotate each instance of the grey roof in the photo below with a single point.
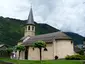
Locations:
(23, 38)
(46, 37)
(1, 45)
(30, 18)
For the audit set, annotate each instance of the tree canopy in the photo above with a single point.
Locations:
(39, 44)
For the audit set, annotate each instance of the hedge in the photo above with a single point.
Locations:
(75, 57)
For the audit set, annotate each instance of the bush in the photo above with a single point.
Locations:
(75, 57)
(81, 52)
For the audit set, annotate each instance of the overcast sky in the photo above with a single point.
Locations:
(66, 15)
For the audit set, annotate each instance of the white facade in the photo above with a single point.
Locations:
(60, 48)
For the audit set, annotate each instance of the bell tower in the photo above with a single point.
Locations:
(30, 25)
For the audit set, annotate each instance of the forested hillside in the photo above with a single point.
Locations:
(77, 39)
(11, 30)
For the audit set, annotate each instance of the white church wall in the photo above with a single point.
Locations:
(33, 54)
(22, 55)
(48, 55)
(64, 48)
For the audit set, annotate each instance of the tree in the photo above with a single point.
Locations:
(39, 45)
(19, 48)
(9, 51)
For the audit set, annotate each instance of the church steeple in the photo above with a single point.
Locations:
(30, 18)
(30, 25)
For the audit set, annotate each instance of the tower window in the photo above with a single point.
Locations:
(32, 27)
(28, 27)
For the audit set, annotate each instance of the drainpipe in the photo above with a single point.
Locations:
(54, 51)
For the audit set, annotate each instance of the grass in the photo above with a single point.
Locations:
(43, 62)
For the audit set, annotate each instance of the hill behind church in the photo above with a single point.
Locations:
(11, 30)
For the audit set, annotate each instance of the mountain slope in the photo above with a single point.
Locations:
(11, 30)
(77, 39)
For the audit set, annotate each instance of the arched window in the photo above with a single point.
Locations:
(28, 27)
(32, 27)
(45, 49)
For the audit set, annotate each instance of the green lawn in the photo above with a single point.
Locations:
(43, 62)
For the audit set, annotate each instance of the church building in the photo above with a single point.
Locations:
(58, 43)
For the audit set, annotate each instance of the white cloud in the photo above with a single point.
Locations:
(67, 15)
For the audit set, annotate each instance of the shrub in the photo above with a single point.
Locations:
(75, 57)
(81, 52)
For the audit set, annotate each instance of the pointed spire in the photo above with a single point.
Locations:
(30, 17)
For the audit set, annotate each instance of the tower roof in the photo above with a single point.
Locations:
(30, 18)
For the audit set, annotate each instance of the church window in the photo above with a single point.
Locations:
(32, 27)
(71, 42)
(33, 48)
(28, 27)
(45, 49)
